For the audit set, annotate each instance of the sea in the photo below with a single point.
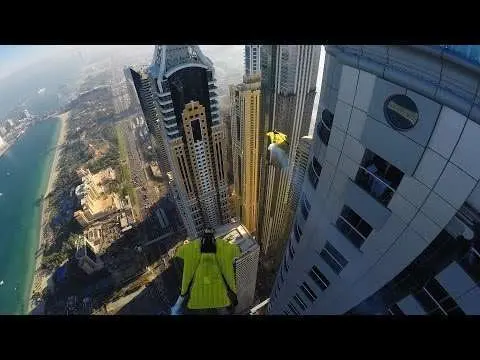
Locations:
(24, 173)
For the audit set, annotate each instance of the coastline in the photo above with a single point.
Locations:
(39, 278)
(5, 149)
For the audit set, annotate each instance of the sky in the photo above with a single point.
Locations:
(17, 57)
(14, 58)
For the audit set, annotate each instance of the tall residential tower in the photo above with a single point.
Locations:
(245, 118)
(389, 216)
(140, 89)
(185, 92)
(289, 75)
(252, 59)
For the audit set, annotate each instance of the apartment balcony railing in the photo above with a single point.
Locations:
(372, 182)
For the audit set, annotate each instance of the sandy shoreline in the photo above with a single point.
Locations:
(40, 279)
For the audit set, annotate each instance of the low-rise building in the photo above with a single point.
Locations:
(155, 169)
(94, 200)
(246, 265)
(94, 235)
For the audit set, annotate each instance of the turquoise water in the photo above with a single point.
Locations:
(24, 172)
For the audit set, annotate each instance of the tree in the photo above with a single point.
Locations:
(70, 245)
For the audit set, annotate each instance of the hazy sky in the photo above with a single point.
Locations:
(16, 57)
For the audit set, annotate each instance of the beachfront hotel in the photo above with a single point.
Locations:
(96, 203)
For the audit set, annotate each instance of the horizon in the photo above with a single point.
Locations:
(15, 59)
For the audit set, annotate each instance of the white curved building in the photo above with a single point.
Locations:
(389, 221)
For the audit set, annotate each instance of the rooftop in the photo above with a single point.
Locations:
(94, 235)
(168, 58)
(236, 233)
(84, 248)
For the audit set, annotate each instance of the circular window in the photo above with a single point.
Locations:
(401, 112)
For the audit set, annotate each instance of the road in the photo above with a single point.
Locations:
(121, 99)
(136, 165)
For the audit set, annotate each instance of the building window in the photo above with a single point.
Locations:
(378, 177)
(436, 301)
(300, 302)
(291, 252)
(292, 308)
(319, 278)
(305, 208)
(470, 262)
(401, 112)
(333, 258)
(314, 172)
(353, 226)
(309, 293)
(285, 265)
(297, 232)
(325, 125)
(395, 310)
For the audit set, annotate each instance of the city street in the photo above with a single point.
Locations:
(136, 164)
(121, 99)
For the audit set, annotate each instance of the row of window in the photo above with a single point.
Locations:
(470, 262)
(324, 127)
(333, 258)
(318, 278)
(308, 293)
(436, 301)
(305, 207)
(330, 255)
(353, 226)
(378, 177)
(375, 175)
(349, 223)
(314, 171)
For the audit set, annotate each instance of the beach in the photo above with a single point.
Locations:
(40, 278)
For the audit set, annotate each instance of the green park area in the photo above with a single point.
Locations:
(125, 173)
